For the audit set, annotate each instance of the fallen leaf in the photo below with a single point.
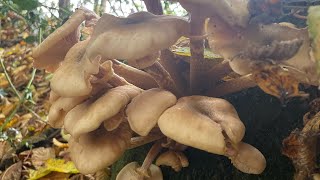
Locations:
(13, 172)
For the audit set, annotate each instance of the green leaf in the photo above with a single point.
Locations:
(313, 22)
(185, 51)
(26, 4)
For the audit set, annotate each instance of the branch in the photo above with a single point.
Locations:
(154, 6)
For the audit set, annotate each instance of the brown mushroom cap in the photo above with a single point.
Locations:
(233, 12)
(129, 173)
(176, 160)
(248, 159)
(90, 114)
(121, 35)
(72, 78)
(53, 49)
(99, 149)
(59, 109)
(199, 121)
(145, 109)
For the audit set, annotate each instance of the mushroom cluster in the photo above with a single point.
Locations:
(120, 88)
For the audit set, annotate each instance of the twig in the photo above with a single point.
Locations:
(8, 77)
(25, 91)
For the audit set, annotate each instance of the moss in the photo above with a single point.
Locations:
(267, 123)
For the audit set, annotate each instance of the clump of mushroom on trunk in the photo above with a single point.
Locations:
(106, 104)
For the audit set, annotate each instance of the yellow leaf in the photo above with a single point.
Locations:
(53, 165)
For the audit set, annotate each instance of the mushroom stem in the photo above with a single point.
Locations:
(162, 77)
(169, 62)
(142, 140)
(198, 67)
(217, 72)
(152, 154)
(232, 86)
(134, 76)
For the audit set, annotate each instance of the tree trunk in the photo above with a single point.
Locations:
(96, 6)
(64, 6)
(103, 6)
(154, 6)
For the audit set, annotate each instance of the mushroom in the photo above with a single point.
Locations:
(129, 173)
(89, 115)
(233, 12)
(195, 120)
(54, 48)
(176, 160)
(98, 149)
(152, 32)
(73, 77)
(145, 109)
(248, 159)
(121, 35)
(211, 124)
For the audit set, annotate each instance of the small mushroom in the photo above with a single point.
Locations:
(202, 122)
(248, 159)
(98, 149)
(176, 160)
(90, 114)
(145, 109)
(129, 173)
(52, 50)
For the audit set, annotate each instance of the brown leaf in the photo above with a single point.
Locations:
(276, 81)
(41, 155)
(13, 172)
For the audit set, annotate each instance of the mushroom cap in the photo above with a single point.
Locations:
(282, 43)
(60, 107)
(233, 12)
(99, 148)
(249, 159)
(145, 109)
(199, 121)
(72, 78)
(54, 48)
(128, 172)
(136, 36)
(90, 114)
(176, 160)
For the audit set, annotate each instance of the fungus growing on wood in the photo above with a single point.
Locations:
(98, 149)
(53, 49)
(90, 114)
(194, 120)
(76, 71)
(145, 109)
